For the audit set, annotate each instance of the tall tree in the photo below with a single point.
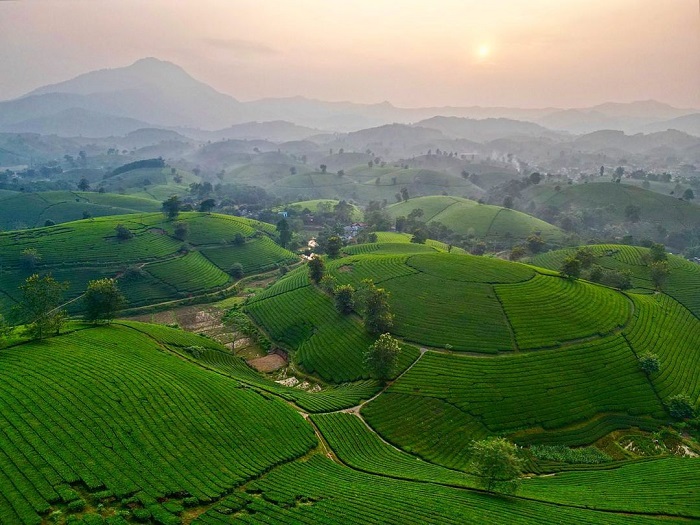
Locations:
(374, 304)
(381, 357)
(344, 300)
(39, 307)
(285, 232)
(102, 300)
(333, 246)
(316, 269)
(171, 207)
(496, 463)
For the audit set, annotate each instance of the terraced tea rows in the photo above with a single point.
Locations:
(562, 388)
(150, 265)
(320, 491)
(104, 408)
(547, 311)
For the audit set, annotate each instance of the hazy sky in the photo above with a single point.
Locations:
(526, 53)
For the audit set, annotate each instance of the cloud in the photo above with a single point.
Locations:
(242, 47)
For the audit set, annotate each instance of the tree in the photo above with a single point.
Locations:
(688, 194)
(323, 168)
(659, 273)
(517, 253)
(39, 306)
(496, 463)
(333, 246)
(657, 252)
(381, 356)
(535, 243)
(571, 267)
(316, 268)
(171, 207)
(5, 330)
(649, 363)
(680, 406)
(207, 205)
(180, 230)
(344, 300)
(285, 232)
(29, 258)
(123, 233)
(508, 202)
(84, 184)
(236, 270)
(238, 239)
(404, 194)
(535, 178)
(374, 304)
(419, 236)
(632, 212)
(102, 300)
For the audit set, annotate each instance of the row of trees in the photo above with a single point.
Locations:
(40, 307)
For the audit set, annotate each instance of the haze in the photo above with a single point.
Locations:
(532, 53)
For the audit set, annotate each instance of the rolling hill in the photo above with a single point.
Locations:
(152, 266)
(20, 210)
(467, 217)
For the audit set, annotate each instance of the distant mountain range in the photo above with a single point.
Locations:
(154, 93)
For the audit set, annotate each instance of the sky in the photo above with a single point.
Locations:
(413, 53)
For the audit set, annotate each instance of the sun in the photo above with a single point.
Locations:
(483, 51)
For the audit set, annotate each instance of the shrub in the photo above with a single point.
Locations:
(680, 406)
(649, 363)
(236, 270)
(77, 505)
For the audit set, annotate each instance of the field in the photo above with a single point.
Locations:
(152, 266)
(660, 210)
(487, 222)
(19, 210)
(134, 422)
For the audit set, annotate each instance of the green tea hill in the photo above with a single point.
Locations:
(467, 217)
(19, 210)
(154, 264)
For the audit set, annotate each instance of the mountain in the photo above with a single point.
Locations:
(74, 122)
(687, 123)
(275, 131)
(163, 94)
(485, 129)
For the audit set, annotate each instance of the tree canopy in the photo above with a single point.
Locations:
(102, 300)
(496, 463)
(381, 356)
(39, 306)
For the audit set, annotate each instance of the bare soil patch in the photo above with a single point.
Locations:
(269, 363)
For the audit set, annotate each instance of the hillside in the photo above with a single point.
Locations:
(661, 210)
(467, 217)
(86, 390)
(20, 210)
(152, 266)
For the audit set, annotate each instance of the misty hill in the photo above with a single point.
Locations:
(688, 124)
(163, 94)
(485, 129)
(74, 122)
(274, 131)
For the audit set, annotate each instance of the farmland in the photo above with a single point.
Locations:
(153, 265)
(176, 428)
(467, 217)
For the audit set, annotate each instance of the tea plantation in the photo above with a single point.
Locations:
(140, 423)
(152, 262)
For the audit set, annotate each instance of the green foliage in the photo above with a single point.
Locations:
(571, 267)
(564, 454)
(344, 298)
(328, 284)
(381, 357)
(374, 305)
(171, 207)
(39, 306)
(649, 363)
(123, 233)
(236, 270)
(285, 233)
(333, 245)
(659, 271)
(30, 257)
(419, 236)
(680, 406)
(496, 463)
(317, 268)
(180, 230)
(102, 300)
